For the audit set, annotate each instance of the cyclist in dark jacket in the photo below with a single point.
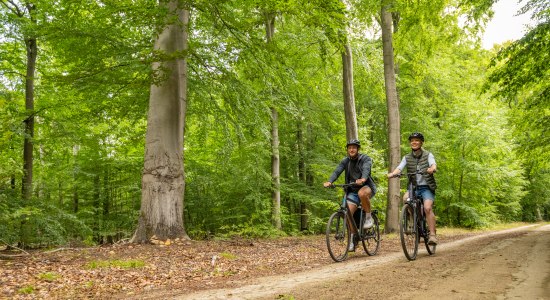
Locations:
(421, 160)
(358, 170)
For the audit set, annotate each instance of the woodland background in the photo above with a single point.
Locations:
(75, 77)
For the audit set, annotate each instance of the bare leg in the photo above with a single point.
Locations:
(352, 208)
(365, 193)
(430, 216)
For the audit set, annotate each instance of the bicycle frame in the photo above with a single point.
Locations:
(344, 208)
(417, 204)
(415, 226)
(342, 223)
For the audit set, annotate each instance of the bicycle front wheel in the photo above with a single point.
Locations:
(337, 236)
(408, 232)
(429, 247)
(371, 237)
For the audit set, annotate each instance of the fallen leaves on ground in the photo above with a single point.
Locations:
(177, 267)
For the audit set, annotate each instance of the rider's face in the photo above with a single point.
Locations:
(416, 144)
(353, 150)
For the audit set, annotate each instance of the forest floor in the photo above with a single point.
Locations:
(498, 264)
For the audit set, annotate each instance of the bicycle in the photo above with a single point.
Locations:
(412, 224)
(338, 229)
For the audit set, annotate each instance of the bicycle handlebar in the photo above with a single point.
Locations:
(408, 174)
(343, 185)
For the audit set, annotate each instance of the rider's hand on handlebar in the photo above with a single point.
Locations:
(392, 175)
(327, 184)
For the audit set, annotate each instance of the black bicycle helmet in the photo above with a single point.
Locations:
(354, 142)
(417, 135)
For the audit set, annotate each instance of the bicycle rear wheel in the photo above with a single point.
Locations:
(371, 237)
(408, 232)
(337, 236)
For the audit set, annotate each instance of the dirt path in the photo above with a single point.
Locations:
(502, 265)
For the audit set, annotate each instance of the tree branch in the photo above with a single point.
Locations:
(15, 9)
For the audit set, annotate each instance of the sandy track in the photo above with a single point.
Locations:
(501, 265)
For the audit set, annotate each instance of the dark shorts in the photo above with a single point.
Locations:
(353, 197)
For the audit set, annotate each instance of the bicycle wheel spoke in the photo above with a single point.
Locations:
(430, 248)
(337, 236)
(408, 232)
(371, 240)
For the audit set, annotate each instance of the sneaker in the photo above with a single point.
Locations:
(351, 247)
(432, 240)
(369, 221)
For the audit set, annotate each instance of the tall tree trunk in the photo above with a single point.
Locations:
(75, 199)
(460, 186)
(349, 97)
(302, 173)
(76, 148)
(275, 163)
(97, 209)
(310, 146)
(392, 210)
(32, 51)
(163, 181)
(275, 170)
(106, 194)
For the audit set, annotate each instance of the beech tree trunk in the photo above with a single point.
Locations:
(349, 97)
(275, 171)
(163, 181)
(300, 140)
(275, 163)
(28, 146)
(392, 210)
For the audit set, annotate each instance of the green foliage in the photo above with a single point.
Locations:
(28, 289)
(227, 255)
(92, 85)
(250, 231)
(123, 264)
(49, 276)
(45, 224)
(520, 76)
(8, 227)
(467, 216)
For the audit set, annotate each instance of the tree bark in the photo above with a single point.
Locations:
(302, 174)
(393, 201)
(275, 170)
(76, 149)
(28, 146)
(275, 163)
(349, 97)
(163, 181)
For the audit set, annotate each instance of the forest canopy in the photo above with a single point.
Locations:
(75, 85)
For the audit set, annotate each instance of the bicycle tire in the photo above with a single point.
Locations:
(429, 248)
(337, 236)
(371, 237)
(408, 232)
